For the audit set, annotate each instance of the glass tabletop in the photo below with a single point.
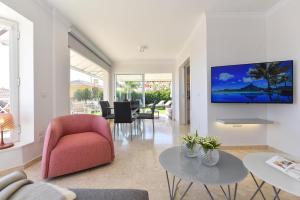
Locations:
(256, 163)
(229, 169)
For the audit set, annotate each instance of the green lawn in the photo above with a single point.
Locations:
(162, 111)
(97, 113)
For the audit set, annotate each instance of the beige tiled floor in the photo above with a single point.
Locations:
(137, 166)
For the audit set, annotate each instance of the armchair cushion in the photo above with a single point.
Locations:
(79, 151)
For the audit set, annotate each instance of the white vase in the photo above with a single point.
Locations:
(210, 157)
(192, 153)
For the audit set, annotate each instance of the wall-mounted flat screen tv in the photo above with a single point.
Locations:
(270, 82)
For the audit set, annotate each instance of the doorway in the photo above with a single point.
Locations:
(147, 88)
(185, 92)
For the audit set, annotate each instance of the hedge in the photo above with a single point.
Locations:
(150, 96)
(89, 94)
(157, 96)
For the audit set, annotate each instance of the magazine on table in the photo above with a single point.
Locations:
(287, 166)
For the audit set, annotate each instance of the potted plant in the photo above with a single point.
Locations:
(191, 145)
(210, 152)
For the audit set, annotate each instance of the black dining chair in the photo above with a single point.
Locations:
(142, 116)
(135, 105)
(123, 115)
(106, 110)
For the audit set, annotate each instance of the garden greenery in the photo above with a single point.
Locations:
(150, 96)
(89, 94)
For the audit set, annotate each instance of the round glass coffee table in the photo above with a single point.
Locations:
(256, 164)
(230, 170)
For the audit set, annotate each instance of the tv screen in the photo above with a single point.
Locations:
(270, 82)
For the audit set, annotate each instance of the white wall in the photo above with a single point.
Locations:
(50, 77)
(283, 43)
(61, 63)
(223, 39)
(196, 50)
(236, 39)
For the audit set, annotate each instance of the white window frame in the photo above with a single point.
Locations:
(14, 79)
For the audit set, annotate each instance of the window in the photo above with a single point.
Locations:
(86, 85)
(9, 76)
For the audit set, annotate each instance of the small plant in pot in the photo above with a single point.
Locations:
(192, 145)
(210, 153)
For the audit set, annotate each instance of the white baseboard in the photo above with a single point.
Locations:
(21, 167)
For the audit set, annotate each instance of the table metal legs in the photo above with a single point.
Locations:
(209, 193)
(227, 195)
(174, 188)
(259, 187)
(258, 190)
(276, 193)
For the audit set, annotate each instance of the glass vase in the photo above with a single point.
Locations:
(210, 157)
(191, 152)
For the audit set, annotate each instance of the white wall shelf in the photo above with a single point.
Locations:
(245, 121)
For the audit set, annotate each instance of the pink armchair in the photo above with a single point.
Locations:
(76, 142)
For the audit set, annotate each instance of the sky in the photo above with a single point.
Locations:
(236, 76)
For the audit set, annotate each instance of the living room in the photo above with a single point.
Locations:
(148, 42)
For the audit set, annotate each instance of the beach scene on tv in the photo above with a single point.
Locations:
(270, 82)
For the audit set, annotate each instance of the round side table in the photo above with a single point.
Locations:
(230, 170)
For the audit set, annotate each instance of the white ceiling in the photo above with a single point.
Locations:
(241, 5)
(118, 27)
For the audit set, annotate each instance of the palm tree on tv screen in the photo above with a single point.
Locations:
(284, 79)
(268, 71)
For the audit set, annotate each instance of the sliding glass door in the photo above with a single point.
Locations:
(130, 87)
(146, 88)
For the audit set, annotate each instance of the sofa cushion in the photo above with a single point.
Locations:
(77, 152)
(110, 194)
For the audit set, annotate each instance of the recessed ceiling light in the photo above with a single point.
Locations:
(142, 48)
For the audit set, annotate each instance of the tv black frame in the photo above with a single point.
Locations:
(211, 99)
